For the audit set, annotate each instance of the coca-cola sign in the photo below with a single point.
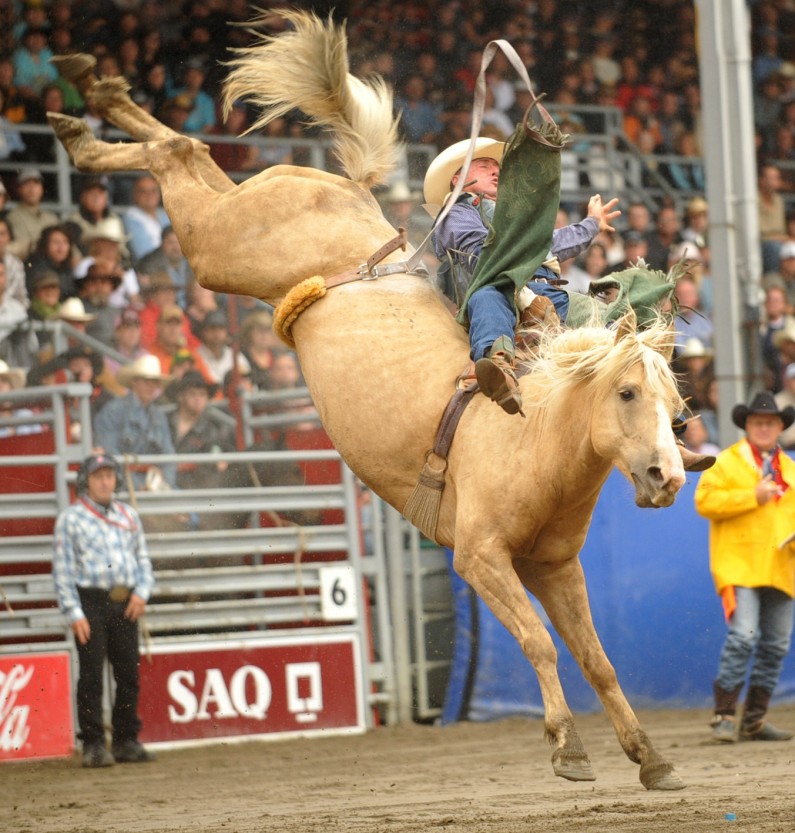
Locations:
(254, 687)
(35, 706)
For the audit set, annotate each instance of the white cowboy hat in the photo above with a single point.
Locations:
(437, 179)
(15, 375)
(694, 348)
(786, 333)
(399, 192)
(109, 228)
(72, 309)
(144, 367)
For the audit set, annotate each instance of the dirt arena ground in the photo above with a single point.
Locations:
(478, 778)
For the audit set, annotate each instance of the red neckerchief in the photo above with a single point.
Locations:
(774, 460)
(132, 527)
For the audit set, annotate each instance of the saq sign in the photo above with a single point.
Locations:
(258, 687)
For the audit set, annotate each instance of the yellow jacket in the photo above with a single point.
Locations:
(745, 539)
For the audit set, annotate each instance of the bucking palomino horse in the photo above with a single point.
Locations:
(381, 357)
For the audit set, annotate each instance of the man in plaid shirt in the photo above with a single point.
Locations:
(103, 579)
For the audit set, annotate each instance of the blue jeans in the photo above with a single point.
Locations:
(761, 626)
(491, 315)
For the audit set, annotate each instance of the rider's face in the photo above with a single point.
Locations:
(483, 173)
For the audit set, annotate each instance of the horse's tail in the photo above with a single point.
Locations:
(307, 69)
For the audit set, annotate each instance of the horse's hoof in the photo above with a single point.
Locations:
(67, 128)
(572, 767)
(660, 776)
(107, 87)
(74, 67)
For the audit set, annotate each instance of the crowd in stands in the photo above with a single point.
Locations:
(119, 275)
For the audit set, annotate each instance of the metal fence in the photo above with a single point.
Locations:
(598, 159)
(257, 573)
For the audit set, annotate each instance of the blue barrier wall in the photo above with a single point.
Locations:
(653, 604)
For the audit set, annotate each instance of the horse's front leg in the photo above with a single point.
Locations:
(487, 567)
(560, 587)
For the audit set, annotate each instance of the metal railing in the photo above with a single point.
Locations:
(233, 581)
(601, 159)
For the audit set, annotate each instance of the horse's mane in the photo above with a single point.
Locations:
(597, 357)
(307, 69)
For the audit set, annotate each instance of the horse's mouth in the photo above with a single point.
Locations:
(650, 493)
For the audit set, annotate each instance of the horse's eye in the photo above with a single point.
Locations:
(627, 395)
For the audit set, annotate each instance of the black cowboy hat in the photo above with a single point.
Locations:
(192, 379)
(84, 352)
(763, 403)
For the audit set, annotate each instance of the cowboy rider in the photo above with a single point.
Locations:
(458, 241)
(489, 312)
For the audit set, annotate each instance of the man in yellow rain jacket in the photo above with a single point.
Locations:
(749, 498)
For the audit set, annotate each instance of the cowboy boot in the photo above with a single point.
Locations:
(754, 726)
(724, 729)
(496, 376)
(541, 312)
(692, 461)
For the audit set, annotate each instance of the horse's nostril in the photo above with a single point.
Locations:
(655, 473)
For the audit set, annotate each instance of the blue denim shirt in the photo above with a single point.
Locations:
(125, 426)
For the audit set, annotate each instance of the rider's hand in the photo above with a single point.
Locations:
(605, 213)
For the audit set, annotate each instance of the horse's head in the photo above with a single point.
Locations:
(635, 400)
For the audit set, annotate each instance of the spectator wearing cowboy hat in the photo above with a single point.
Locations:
(194, 430)
(45, 304)
(215, 349)
(126, 338)
(695, 369)
(168, 257)
(159, 291)
(86, 366)
(134, 424)
(94, 290)
(171, 338)
(109, 243)
(93, 216)
(748, 498)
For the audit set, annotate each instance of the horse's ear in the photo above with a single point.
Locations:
(627, 325)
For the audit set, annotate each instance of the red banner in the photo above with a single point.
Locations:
(295, 685)
(35, 706)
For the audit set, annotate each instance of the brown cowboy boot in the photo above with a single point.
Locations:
(724, 728)
(754, 726)
(496, 376)
(692, 461)
(541, 312)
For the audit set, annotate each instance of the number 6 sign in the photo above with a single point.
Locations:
(338, 594)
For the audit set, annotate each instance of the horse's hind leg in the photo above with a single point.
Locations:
(493, 578)
(171, 160)
(110, 97)
(560, 587)
(90, 154)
